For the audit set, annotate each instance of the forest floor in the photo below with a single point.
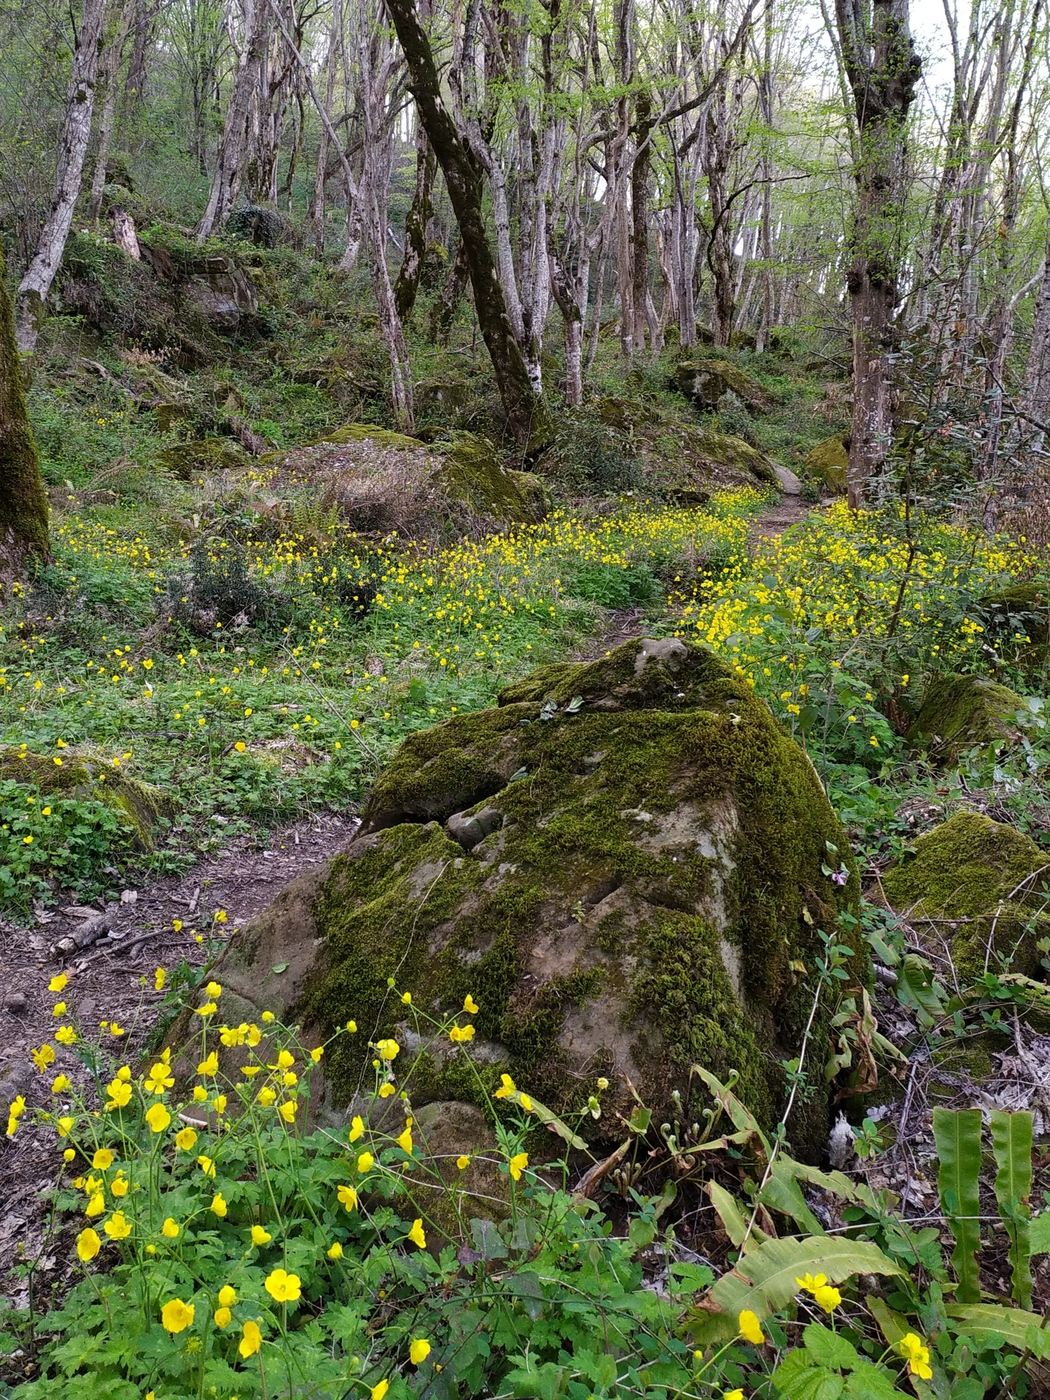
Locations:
(159, 923)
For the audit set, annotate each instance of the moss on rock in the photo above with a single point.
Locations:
(828, 462)
(140, 806)
(647, 891)
(472, 473)
(207, 454)
(980, 886)
(706, 382)
(959, 712)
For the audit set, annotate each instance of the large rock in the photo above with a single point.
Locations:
(709, 382)
(622, 863)
(978, 889)
(828, 462)
(962, 712)
(91, 776)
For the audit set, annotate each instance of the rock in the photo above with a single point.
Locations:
(828, 462)
(447, 400)
(974, 884)
(186, 460)
(787, 480)
(706, 382)
(1018, 620)
(86, 775)
(264, 227)
(15, 1002)
(962, 712)
(382, 481)
(644, 895)
(220, 286)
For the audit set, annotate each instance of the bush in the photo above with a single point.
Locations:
(219, 591)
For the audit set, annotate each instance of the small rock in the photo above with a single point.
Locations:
(15, 1002)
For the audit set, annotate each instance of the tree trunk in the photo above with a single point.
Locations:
(35, 287)
(229, 166)
(23, 503)
(883, 71)
(110, 66)
(463, 180)
(416, 225)
(445, 307)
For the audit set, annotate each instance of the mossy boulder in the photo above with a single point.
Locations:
(186, 460)
(962, 712)
(382, 481)
(980, 890)
(828, 462)
(707, 382)
(1018, 621)
(622, 863)
(91, 777)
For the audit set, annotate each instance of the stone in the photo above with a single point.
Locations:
(707, 382)
(828, 462)
(977, 889)
(641, 891)
(82, 773)
(186, 460)
(963, 712)
(787, 480)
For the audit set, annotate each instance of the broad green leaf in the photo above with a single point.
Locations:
(829, 1348)
(871, 1382)
(1021, 1330)
(1040, 1233)
(1012, 1148)
(783, 1193)
(764, 1279)
(729, 1211)
(891, 1324)
(798, 1378)
(957, 1135)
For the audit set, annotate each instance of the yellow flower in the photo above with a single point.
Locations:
(470, 1006)
(118, 1226)
(287, 1110)
(158, 1079)
(417, 1234)
(506, 1087)
(737, 1394)
(176, 1316)
(88, 1244)
(386, 1090)
(119, 1185)
(213, 990)
(200, 1094)
(335, 1251)
(406, 998)
(219, 916)
(828, 1298)
(388, 1049)
(917, 1355)
(418, 1351)
(251, 1340)
(404, 1140)
(525, 1102)
(157, 1117)
(159, 979)
(357, 1128)
(517, 1164)
(260, 1236)
(119, 1091)
(750, 1328)
(459, 1035)
(59, 1008)
(348, 1197)
(95, 1206)
(103, 1159)
(185, 1139)
(809, 1283)
(283, 1287)
(43, 1057)
(206, 1165)
(463, 1162)
(240, 746)
(66, 1035)
(58, 983)
(170, 1229)
(267, 1095)
(208, 1009)
(209, 1066)
(219, 1104)
(379, 1390)
(227, 1296)
(317, 1053)
(218, 1205)
(223, 1317)
(61, 1084)
(14, 1114)
(351, 1026)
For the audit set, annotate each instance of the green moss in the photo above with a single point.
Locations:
(361, 432)
(23, 501)
(977, 885)
(188, 459)
(828, 461)
(959, 712)
(139, 805)
(707, 381)
(471, 472)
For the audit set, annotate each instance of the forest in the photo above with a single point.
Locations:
(524, 653)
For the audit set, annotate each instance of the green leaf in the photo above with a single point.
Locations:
(729, 1212)
(1012, 1148)
(871, 1382)
(957, 1136)
(798, 1378)
(764, 1279)
(1021, 1330)
(829, 1348)
(783, 1193)
(280, 967)
(1040, 1233)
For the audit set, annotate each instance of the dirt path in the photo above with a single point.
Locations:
(112, 980)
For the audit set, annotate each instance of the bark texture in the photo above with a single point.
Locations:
(23, 502)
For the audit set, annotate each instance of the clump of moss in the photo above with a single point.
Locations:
(828, 462)
(708, 381)
(960, 712)
(140, 806)
(471, 472)
(981, 887)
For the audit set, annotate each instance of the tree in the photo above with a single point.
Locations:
(35, 287)
(463, 179)
(882, 69)
(23, 503)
